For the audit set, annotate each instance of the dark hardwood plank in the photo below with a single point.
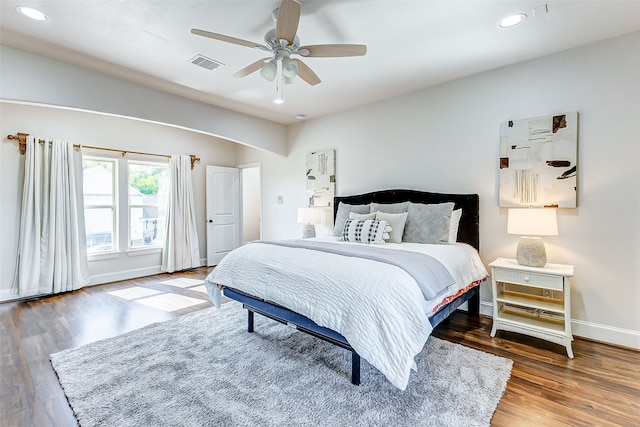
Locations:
(601, 386)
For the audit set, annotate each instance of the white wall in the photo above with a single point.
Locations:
(101, 131)
(445, 139)
(34, 78)
(251, 200)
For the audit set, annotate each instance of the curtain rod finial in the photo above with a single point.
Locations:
(194, 159)
(22, 141)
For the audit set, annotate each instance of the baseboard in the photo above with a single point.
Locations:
(593, 331)
(99, 279)
(606, 334)
(6, 295)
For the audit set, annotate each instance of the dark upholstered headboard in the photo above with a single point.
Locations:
(469, 230)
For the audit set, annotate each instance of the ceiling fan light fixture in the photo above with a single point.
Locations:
(512, 20)
(289, 68)
(269, 70)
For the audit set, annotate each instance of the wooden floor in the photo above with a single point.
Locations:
(600, 387)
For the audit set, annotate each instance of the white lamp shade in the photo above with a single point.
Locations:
(269, 70)
(532, 222)
(309, 215)
(289, 68)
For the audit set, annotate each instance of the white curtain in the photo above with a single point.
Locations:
(181, 250)
(52, 248)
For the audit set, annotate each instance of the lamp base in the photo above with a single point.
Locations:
(308, 230)
(531, 252)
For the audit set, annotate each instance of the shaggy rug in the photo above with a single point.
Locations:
(205, 369)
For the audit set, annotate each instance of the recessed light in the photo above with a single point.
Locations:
(33, 13)
(512, 20)
(278, 101)
(300, 116)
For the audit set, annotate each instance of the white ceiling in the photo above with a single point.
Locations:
(411, 44)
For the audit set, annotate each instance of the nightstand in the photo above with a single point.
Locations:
(532, 300)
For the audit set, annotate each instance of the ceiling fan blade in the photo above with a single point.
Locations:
(306, 74)
(227, 39)
(251, 68)
(334, 50)
(288, 18)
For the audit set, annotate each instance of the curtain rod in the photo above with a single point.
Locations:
(22, 145)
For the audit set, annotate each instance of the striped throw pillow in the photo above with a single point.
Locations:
(366, 231)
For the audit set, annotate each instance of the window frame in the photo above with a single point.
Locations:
(133, 250)
(114, 206)
(121, 237)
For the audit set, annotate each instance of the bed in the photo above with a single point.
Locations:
(320, 288)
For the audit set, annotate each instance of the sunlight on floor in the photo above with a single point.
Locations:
(163, 300)
(183, 282)
(170, 302)
(134, 293)
(201, 288)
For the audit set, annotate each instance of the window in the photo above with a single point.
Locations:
(125, 203)
(148, 190)
(99, 178)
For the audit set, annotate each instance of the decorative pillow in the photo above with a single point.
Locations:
(353, 215)
(428, 223)
(366, 231)
(343, 214)
(393, 208)
(396, 221)
(454, 225)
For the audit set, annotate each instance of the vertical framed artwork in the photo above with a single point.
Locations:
(321, 177)
(539, 161)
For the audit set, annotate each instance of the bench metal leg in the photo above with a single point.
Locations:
(355, 368)
(474, 305)
(250, 321)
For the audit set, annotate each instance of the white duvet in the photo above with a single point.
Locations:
(377, 307)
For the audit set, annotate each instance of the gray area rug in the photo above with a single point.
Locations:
(205, 369)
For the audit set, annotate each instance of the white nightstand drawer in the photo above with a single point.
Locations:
(529, 279)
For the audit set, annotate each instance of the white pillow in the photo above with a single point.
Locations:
(396, 221)
(366, 231)
(343, 214)
(454, 224)
(355, 215)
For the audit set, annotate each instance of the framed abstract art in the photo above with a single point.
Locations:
(539, 161)
(321, 177)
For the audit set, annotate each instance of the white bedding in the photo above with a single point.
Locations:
(377, 307)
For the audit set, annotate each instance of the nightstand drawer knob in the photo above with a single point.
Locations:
(526, 278)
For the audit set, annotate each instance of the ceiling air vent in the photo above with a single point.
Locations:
(204, 62)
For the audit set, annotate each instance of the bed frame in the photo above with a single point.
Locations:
(468, 232)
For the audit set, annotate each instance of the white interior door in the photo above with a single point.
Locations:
(223, 212)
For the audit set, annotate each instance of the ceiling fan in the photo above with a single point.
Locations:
(282, 42)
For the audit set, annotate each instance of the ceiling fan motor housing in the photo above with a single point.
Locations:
(271, 41)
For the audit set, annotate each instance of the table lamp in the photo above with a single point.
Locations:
(532, 222)
(308, 217)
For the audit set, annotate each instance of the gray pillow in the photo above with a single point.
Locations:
(428, 223)
(353, 215)
(390, 207)
(397, 222)
(343, 215)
